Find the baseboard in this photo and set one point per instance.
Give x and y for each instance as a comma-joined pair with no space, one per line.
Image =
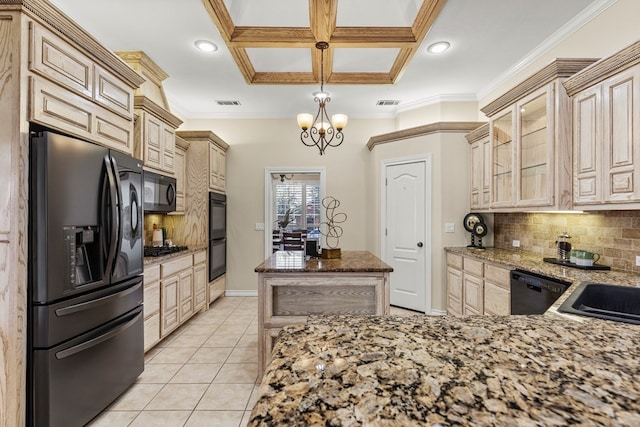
234,293
438,312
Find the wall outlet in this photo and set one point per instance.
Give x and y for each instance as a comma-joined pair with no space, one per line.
259,226
449,227
516,243
638,260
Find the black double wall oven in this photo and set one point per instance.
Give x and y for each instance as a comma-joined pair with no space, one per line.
85,321
217,235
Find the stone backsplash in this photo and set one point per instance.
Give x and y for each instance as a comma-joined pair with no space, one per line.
615,235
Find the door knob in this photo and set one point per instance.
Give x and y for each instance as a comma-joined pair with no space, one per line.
420,244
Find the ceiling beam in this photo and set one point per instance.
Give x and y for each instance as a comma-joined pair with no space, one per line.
322,18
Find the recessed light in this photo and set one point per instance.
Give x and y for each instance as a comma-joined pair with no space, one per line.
206,46
438,47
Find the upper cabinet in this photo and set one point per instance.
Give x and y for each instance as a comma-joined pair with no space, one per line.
480,168
155,140
209,157
71,91
530,142
606,132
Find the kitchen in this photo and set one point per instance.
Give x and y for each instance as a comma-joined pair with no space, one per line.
248,157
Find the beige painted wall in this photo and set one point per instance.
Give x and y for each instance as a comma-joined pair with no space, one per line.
257,144
449,202
612,30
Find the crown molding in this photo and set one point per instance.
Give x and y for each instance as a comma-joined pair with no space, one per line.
438,127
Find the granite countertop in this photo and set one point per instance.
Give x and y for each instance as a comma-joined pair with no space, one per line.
152,260
349,262
473,370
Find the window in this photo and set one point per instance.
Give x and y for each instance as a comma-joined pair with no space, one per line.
299,195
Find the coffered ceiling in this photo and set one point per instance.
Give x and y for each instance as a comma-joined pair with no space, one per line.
267,67
395,42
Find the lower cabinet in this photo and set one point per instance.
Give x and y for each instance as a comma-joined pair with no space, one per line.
217,288
151,306
173,292
476,287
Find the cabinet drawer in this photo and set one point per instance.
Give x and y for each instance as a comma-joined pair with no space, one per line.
454,261
152,274
171,267
473,266
497,275
58,61
151,299
199,257
151,331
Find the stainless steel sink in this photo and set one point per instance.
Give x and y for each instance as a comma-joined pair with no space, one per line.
610,302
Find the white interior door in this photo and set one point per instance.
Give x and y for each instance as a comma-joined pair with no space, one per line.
406,234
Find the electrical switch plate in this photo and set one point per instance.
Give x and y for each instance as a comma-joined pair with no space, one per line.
449,227
638,260
516,243
259,225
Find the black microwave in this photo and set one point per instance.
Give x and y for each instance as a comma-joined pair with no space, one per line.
159,193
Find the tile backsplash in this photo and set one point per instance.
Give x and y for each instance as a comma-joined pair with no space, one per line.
615,235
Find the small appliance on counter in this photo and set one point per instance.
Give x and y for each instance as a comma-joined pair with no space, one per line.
564,247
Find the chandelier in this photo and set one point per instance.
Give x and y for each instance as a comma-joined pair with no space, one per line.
320,131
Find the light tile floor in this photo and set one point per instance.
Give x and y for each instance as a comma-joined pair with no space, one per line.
203,374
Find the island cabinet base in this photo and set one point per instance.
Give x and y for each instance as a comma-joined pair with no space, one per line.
288,298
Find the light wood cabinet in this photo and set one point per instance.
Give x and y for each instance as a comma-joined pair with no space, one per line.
216,288
151,306
475,287
70,92
182,284
472,286
288,298
480,168
606,132
530,140
155,125
199,280
217,168
497,290
180,174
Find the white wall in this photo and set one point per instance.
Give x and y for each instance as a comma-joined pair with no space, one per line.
256,144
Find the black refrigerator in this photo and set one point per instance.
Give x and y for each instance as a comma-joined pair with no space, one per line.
84,320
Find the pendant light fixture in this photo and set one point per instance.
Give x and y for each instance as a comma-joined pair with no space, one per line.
320,131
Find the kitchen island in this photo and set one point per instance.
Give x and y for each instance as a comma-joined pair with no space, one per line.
470,370
291,287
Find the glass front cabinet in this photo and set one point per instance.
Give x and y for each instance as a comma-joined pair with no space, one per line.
530,142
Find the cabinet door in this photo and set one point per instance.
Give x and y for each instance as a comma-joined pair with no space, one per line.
454,291
477,166
502,150
497,300
199,286
222,169
535,149
185,294
180,166
169,309
473,294
152,141
486,173
213,167
168,149
621,101
587,146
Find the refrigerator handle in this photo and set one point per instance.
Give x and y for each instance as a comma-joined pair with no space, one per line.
117,211
112,215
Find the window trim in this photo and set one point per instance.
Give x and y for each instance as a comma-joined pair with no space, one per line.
268,199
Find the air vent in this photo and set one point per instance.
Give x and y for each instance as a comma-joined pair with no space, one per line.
385,102
227,102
